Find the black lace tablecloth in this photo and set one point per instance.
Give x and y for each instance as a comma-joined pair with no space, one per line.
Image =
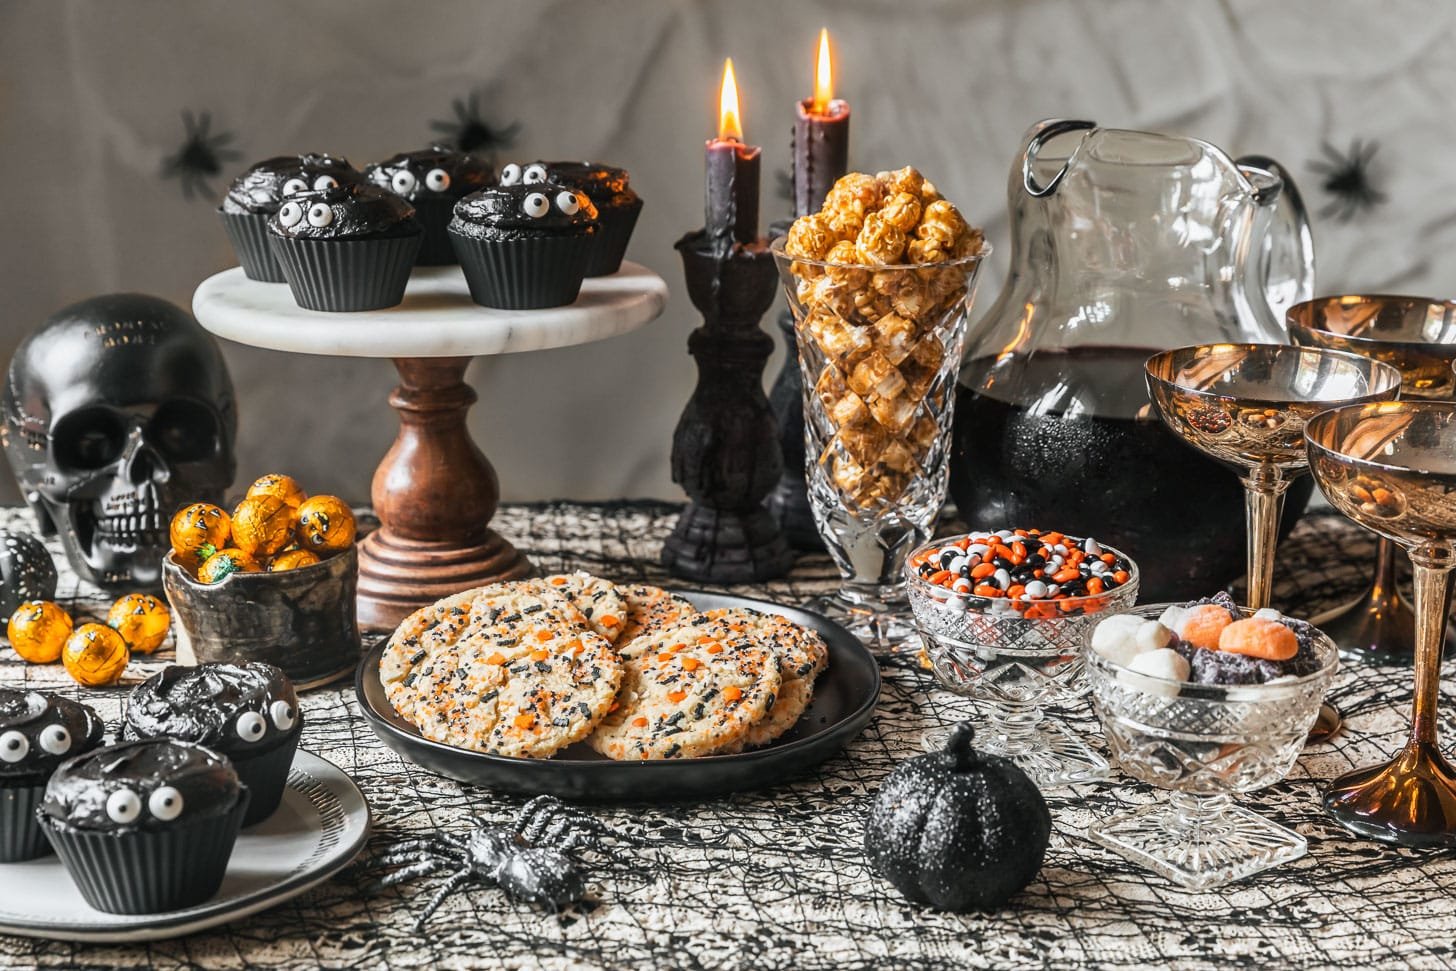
776,879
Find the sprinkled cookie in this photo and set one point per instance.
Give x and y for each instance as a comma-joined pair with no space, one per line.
801,654
418,636
600,601
687,691
792,701
516,680
650,609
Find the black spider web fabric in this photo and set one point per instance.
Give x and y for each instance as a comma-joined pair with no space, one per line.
776,879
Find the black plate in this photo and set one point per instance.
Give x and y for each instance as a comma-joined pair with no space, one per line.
844,698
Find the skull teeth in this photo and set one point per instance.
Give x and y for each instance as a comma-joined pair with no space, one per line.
132,527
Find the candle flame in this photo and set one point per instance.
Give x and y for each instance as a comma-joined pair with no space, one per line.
823,76
730,126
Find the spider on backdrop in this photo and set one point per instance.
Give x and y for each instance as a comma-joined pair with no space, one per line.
201,156
1347,178
470,132
533,861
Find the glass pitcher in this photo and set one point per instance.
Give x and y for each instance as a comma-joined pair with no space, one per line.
1124,243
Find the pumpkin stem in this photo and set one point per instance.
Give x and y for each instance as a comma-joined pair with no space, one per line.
958,746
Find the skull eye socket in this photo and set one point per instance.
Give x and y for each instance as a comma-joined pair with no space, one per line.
89,439
184,431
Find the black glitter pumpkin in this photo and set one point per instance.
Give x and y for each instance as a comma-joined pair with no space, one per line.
27,571
958,830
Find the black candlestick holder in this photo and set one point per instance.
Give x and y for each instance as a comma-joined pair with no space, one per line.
789,500
725,451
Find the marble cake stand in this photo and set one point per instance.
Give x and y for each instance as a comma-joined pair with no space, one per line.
434,492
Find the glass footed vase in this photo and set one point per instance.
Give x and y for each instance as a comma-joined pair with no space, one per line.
1204,744
879,348
1020,660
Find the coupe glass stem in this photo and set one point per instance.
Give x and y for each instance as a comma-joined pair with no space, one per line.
1433,602
1264,489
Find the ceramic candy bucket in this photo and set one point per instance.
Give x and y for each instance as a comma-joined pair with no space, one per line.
300,620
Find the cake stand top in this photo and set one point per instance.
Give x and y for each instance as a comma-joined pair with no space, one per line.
436,319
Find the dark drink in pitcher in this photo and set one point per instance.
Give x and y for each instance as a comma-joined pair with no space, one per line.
1064,439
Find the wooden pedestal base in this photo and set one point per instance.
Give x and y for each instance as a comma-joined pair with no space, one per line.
435,493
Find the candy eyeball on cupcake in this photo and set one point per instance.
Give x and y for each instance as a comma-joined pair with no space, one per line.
434,172
39,731
537,207
268,184
343,212
233,708
148,784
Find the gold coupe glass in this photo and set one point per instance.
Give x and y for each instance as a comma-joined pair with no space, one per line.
1246,405
1417,337
1391,467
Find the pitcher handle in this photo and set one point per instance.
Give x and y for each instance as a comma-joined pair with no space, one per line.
1041,133
1284,267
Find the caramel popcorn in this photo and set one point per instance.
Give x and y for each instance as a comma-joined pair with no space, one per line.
877,316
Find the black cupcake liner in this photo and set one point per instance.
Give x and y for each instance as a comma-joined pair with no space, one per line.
435,215
614,233
266,775
248,232
21,837
341,275
528,273
148,871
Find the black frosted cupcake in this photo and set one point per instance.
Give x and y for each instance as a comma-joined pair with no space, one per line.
145,827
523,247
350,247
432,180
37,733
609,190
256,195
248,712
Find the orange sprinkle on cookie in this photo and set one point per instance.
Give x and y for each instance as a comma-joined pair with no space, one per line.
732,692
676,697
1261,638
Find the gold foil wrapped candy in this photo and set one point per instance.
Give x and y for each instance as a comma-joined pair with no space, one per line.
95,655
38,630
142,620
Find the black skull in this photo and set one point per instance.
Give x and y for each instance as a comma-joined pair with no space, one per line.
118,410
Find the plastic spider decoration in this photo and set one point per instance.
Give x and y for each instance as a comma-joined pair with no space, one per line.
469,132
201,156
531,862
1347,178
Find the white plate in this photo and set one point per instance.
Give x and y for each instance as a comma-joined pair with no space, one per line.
319,828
